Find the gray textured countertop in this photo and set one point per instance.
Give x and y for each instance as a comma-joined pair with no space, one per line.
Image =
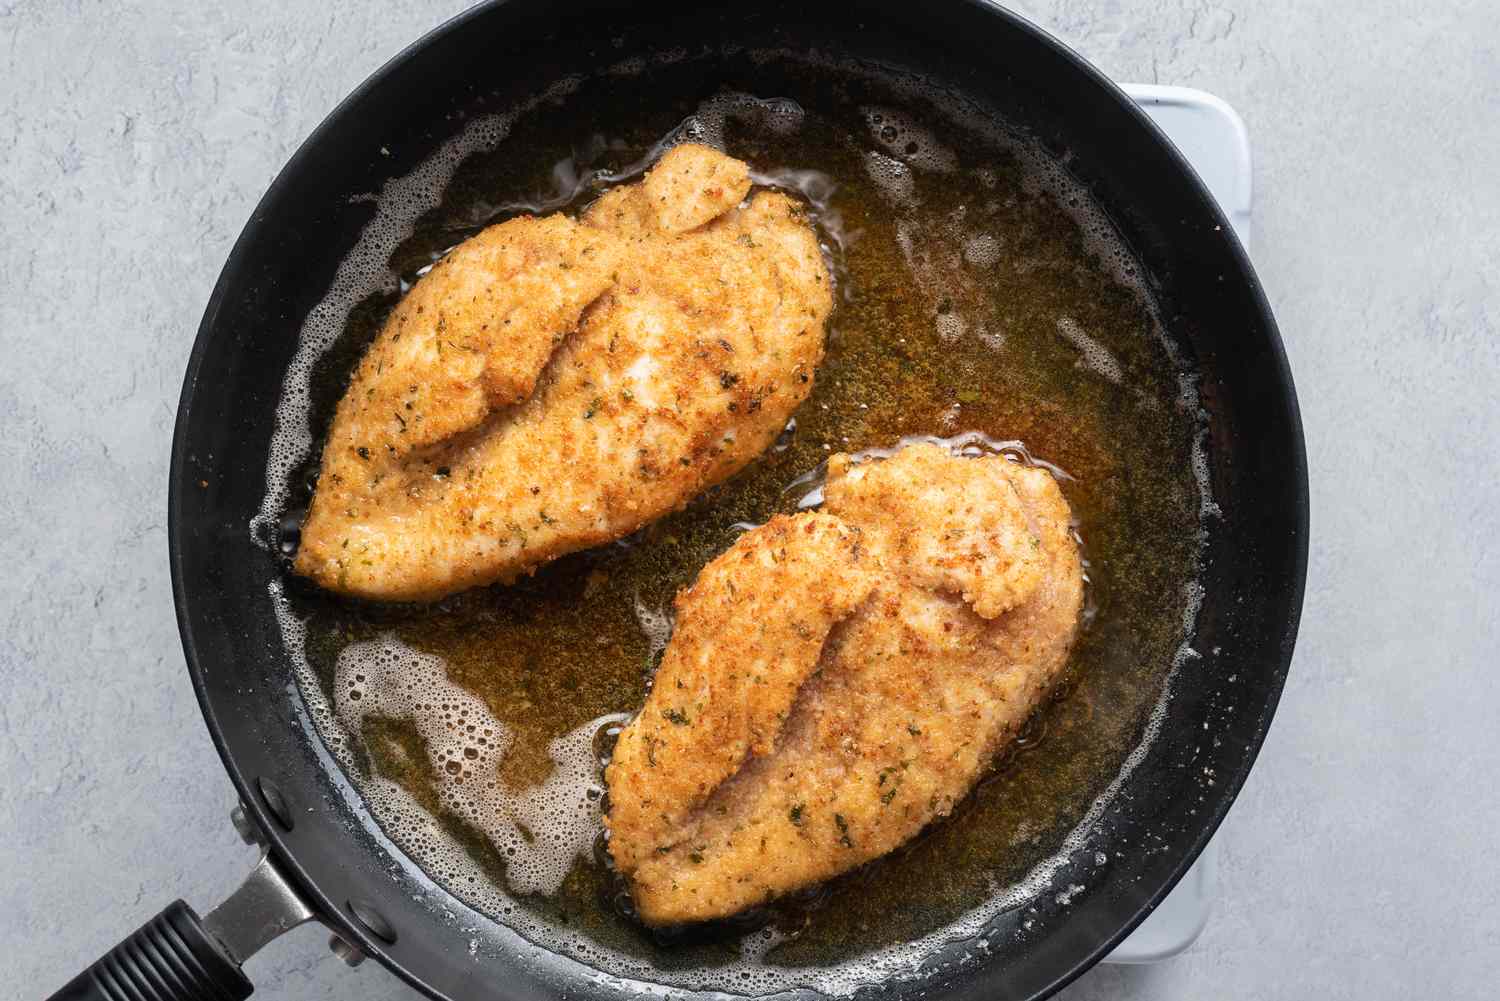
1359,861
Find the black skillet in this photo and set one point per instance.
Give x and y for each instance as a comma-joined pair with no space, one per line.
325,860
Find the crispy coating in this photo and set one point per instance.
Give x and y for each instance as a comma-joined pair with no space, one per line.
975,541
692,185
913,694
643,362
781,590
473,335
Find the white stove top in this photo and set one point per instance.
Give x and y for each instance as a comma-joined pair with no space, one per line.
1213,138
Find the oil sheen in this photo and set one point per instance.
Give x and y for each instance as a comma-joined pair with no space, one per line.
981,298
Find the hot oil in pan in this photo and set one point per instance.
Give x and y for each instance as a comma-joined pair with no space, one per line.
977,292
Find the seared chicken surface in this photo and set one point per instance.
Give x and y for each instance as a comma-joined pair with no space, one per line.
838,680
552,385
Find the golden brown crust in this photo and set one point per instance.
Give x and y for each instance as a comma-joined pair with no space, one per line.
693,184
690,351
912,696
976,541
473,334
770,601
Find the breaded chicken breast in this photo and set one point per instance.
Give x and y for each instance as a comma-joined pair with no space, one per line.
839,680
552,385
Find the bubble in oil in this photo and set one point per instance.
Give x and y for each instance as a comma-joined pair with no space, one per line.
603,743
904,139
1092,354
289,530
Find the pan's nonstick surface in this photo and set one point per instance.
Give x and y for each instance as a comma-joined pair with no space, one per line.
298,246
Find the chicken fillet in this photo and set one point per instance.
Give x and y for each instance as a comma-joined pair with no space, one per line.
552,385
839,680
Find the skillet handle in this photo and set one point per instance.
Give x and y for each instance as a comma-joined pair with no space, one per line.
172,957
178,956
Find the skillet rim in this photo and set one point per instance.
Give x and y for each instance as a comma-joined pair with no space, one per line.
1295,465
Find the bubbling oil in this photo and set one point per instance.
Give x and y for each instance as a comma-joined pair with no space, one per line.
983,300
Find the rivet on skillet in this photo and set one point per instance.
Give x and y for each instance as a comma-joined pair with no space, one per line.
350,954
372,920
244,826
275,802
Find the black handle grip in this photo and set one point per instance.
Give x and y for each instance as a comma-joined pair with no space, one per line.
169,958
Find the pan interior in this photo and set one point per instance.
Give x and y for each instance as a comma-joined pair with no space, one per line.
983,297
